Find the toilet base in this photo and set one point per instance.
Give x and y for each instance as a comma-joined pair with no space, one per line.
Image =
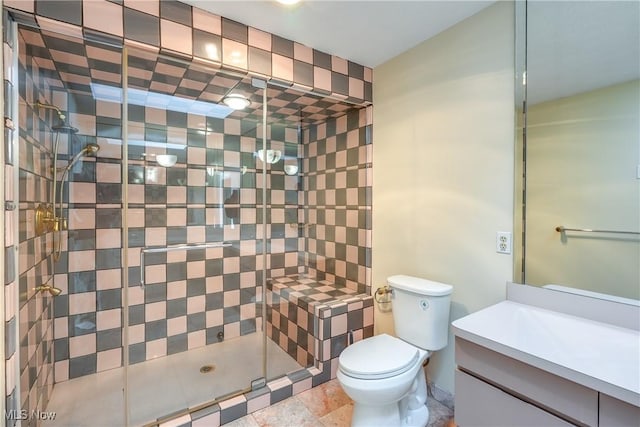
378,415
410,411
413,407
416,417
388,416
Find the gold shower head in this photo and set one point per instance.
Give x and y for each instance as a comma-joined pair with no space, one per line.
51,289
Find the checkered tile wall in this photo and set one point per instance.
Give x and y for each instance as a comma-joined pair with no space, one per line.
187,32
29,315
192,297
337,184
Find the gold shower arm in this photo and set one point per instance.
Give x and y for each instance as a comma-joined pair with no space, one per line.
48,288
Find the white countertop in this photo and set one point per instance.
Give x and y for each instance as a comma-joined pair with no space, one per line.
597,355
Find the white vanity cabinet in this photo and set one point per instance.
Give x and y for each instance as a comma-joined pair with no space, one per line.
526,362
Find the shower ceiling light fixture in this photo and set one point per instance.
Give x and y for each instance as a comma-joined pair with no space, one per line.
236,101
288,2
269,156
166,160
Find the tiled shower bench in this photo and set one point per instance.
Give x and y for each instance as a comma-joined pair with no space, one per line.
313,321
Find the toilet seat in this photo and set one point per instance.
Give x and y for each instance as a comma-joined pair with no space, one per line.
378,357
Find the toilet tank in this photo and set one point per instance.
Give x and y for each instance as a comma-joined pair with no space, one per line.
421,311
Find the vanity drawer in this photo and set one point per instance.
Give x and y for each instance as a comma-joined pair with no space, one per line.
616,413
480,404
557,395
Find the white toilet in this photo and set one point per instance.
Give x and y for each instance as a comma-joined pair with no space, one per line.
382,374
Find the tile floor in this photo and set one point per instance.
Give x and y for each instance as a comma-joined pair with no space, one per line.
324,406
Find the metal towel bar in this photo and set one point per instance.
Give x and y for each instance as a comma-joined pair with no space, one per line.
562,229
300,226
173,248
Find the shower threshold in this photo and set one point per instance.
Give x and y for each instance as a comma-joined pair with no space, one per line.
166,385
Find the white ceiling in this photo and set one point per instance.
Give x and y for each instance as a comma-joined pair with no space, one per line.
573,46
366,32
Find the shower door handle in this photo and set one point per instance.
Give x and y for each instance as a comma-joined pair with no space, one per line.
173,248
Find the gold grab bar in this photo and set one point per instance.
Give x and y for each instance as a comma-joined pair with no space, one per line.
173,248
562,229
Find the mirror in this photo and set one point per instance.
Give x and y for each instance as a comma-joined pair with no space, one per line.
579,139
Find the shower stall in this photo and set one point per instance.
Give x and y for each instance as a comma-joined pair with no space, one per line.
186,235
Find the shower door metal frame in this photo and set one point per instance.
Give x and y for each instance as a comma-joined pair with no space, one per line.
12,29
2,238
125,231
264,235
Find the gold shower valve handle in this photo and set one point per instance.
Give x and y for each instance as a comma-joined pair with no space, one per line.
45,219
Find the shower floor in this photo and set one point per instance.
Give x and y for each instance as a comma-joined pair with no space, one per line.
166,385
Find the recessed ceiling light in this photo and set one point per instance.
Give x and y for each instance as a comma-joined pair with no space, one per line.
236,101
288,2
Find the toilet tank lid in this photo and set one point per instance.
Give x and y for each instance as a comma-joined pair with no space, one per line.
419,286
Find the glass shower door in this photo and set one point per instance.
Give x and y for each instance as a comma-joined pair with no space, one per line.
69,307
289,345
194,249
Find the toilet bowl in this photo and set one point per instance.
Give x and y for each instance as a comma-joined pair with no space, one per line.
391,373
383,375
